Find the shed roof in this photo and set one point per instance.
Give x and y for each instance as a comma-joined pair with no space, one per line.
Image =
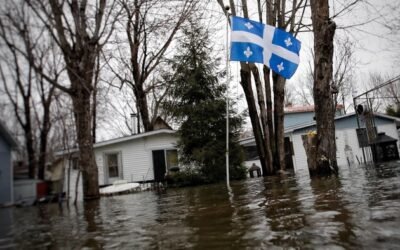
305,108
290,129
310,124
122,139
7,136
382,138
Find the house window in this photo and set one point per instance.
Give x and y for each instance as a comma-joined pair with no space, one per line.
75,163
112,163
172,158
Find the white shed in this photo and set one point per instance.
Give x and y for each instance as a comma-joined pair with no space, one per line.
347,143
136,158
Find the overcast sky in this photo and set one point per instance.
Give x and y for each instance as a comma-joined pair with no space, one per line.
376,48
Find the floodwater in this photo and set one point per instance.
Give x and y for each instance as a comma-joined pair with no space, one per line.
360,209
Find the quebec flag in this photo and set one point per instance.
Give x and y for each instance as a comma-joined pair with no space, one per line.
256,42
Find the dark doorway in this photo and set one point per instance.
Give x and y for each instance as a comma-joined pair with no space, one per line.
288,153
384,148
159,165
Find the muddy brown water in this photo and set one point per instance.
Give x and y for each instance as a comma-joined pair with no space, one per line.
360,209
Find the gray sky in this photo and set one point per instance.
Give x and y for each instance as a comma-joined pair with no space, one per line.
376,48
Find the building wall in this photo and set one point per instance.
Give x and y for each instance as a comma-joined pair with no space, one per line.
25,191
136,161
136,157
6,174
71,178
345,135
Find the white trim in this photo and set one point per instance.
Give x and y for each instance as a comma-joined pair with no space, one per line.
119,140
106,170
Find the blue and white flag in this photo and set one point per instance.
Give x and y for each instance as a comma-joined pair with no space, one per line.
255,42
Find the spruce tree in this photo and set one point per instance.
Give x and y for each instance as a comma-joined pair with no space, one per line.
198,103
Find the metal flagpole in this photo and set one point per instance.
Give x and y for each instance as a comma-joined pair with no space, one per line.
227,96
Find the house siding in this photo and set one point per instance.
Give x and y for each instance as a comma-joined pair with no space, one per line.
291,119
136,157
72,178
299,153
136,160
346,135
6,184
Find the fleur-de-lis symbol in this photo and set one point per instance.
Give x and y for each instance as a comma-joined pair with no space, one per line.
248,52
248,25
288,42
280,67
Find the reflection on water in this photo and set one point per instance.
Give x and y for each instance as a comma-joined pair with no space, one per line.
360,209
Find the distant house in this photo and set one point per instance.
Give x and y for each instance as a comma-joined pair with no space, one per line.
301,114
349,149
136,158
7,143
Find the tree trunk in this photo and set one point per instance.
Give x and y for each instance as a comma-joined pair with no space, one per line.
263,112
268,98
43,140
324,31
30,148
255,121
81,103
279,98
31,153
141,99
94,114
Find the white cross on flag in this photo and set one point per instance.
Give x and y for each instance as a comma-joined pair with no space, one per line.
255,42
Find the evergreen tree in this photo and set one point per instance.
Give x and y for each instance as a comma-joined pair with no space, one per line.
198,103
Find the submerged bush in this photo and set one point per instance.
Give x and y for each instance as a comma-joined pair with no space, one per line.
184,178
193,177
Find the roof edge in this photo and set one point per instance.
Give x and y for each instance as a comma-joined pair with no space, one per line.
120,140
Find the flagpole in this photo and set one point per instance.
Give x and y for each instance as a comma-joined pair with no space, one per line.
227,96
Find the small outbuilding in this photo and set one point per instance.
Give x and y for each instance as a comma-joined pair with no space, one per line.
7,144
351,147
145,157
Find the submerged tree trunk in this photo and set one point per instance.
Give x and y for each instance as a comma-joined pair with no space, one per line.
83,115
279,99
43,141
245,77
270,121
263,113
324,31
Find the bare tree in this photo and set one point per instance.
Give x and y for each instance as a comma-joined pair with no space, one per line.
80,30
149,36
268,123
384,97
323,161
20,36
344,65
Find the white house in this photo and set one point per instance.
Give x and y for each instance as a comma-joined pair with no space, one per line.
136,158
347,141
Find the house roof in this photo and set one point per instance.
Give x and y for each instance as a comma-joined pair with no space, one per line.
306,108
123,139
382,138
133,137
309,124
312,123
7,136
